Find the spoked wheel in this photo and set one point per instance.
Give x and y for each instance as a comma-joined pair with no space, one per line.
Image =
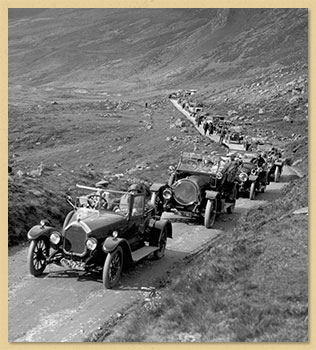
113,267
252,191
210,213
277,174
158,254
37,255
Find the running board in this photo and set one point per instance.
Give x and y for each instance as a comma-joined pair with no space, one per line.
143,252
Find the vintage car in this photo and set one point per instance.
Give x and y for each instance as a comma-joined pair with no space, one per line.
275,162
252,176
236,134
200,187
106,231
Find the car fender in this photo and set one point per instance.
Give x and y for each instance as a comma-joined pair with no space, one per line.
156,187
211,194
38,231
253,178
161,225
111,243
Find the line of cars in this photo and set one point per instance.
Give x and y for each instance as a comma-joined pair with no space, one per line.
108,231
203,186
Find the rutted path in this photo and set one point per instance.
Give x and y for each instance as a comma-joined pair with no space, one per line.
214,137
67,306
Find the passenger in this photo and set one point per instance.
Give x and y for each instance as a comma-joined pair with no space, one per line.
138,203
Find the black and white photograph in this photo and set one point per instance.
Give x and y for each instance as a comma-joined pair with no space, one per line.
158,175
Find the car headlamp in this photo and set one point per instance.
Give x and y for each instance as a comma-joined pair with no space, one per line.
219,175
91,243
243,177
54,237
167,193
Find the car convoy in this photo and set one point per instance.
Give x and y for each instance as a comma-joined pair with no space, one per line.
108,230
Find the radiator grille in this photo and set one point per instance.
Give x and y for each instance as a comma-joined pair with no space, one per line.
75,239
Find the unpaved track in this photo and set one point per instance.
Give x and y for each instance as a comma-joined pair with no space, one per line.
66,306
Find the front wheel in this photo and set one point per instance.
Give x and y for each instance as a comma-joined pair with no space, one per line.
210,213
252,191
158,254
112,267
37,256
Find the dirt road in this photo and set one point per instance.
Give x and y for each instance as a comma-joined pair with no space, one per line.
66,306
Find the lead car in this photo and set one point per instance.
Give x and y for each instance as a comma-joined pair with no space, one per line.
106,229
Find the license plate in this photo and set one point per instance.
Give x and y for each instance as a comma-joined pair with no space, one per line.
71,264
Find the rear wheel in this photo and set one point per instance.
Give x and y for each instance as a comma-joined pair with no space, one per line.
158,254
277,174
252,191
112,267
210,213
37,255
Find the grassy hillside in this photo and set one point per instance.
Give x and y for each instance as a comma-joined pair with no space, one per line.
78,83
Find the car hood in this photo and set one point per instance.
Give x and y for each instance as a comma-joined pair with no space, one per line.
100,223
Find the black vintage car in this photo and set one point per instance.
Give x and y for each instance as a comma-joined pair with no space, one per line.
200,187
275,162
252,175
106,230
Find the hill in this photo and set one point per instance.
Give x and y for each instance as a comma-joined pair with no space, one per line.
78,83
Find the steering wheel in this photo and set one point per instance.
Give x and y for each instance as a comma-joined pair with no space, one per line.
97,201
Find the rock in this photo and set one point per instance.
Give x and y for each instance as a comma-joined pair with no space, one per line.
301,211
286,118
294,100
261,111
168,139
19,173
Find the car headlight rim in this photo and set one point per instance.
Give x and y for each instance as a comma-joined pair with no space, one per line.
167,193
55,237
219,175
243,177
91,243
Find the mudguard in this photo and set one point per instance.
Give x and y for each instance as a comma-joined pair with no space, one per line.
160,225
211,194
37,231
156,187
111,243
253,178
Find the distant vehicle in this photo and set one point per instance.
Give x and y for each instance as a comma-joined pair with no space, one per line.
236,134
106,230
200,187
275,162
252,176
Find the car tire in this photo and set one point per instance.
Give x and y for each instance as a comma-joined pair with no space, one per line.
37,254
210,213
231,208
277,174
112,269
158,254
252,191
